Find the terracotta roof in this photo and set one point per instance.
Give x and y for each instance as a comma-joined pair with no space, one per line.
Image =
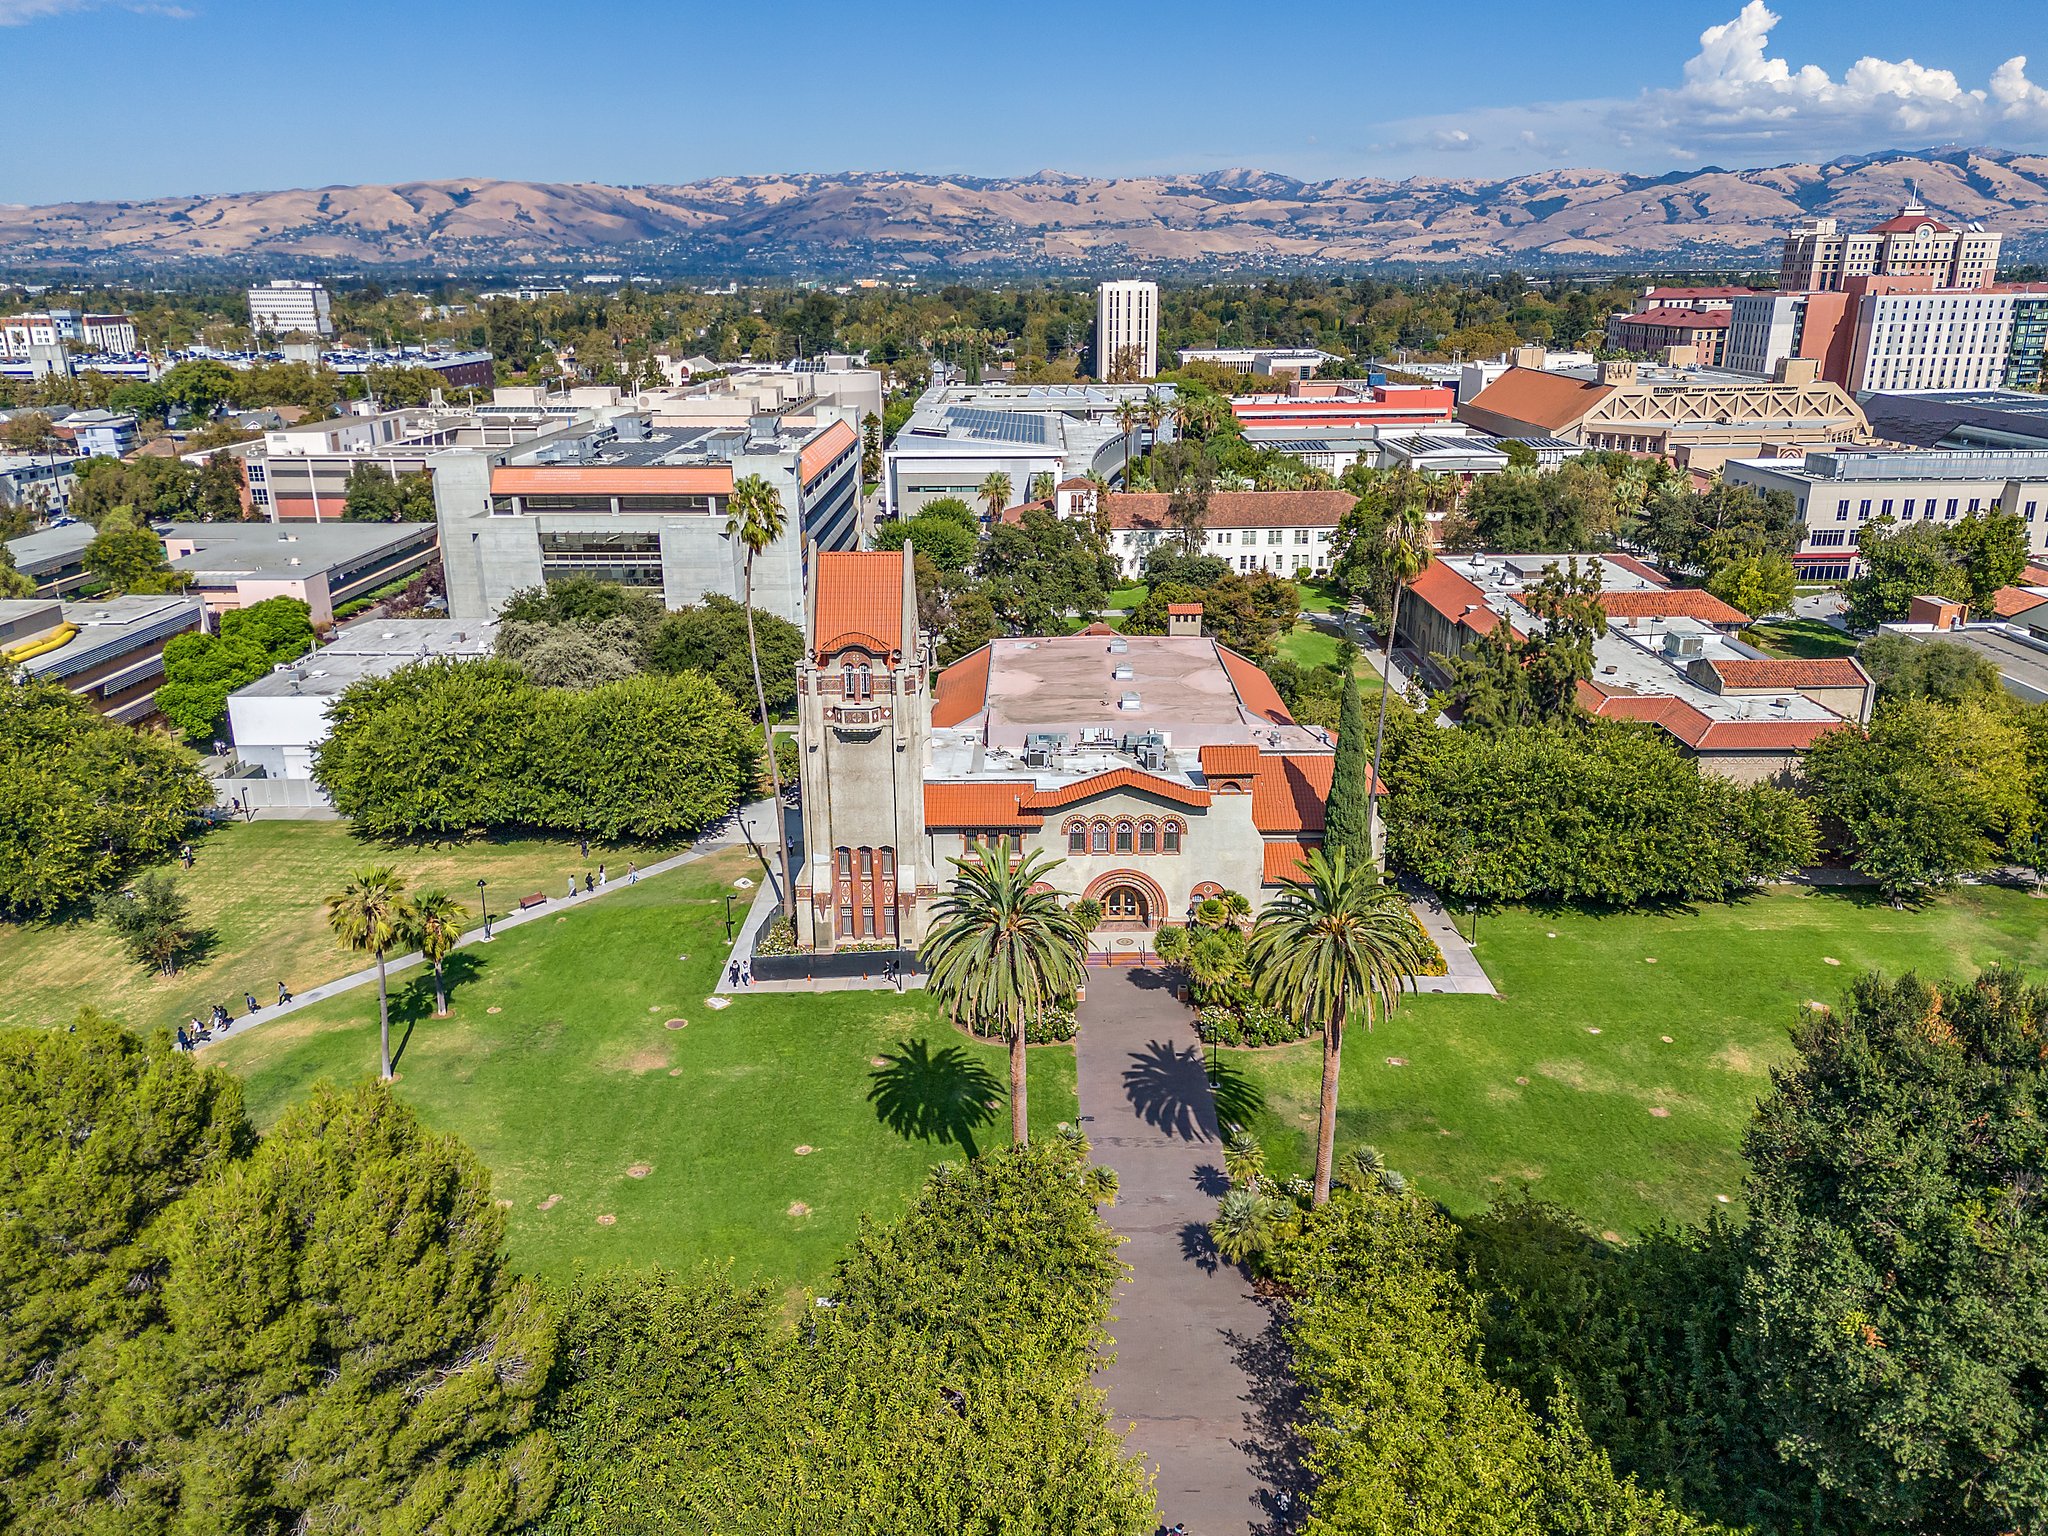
1699,293
860,601
1235,509
821,451
1773,672
1289,793
1075,483
1701,731
1640,568
1906,223
2034,576
1284,862
2010,602
1453,596
1234,761
1551,401
620,480
980,803
1679,318
1255,690
1672,603
1097,628
1194,608
1116,778
961,690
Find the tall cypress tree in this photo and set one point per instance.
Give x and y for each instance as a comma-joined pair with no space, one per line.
1347,820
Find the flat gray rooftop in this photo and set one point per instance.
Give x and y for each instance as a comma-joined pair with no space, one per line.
287,550
374,650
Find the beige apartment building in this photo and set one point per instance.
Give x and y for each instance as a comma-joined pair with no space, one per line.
1818,255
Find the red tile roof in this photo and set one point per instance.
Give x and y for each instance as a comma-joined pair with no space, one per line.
618,480
980,804
1255,690
1773,672
1097,628
820,452
1906,223
860,601
1235,509
1551,401
1116,778
2011,602
1671,603
1456,598
1647,572
1701,731
1193,608
1230,761
1679,318
2034,576
1289,793
961,691
1285,862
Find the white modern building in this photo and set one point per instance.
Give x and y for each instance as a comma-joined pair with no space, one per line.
1283,533
1842,491
1279,362
1947,339
99,434
1127,330
20,334
277,722
282,306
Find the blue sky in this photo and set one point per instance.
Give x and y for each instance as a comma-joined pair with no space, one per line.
136,100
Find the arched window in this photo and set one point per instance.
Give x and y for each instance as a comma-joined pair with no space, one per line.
1172,836
1101,838
1123,837
1148,837
867,681
1077,837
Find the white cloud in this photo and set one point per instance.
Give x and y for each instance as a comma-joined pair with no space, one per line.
1734,103
19,13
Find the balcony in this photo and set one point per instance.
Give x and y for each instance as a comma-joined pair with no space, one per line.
863,718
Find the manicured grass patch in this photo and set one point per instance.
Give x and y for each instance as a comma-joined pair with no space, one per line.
576,1080
1127,598
261,887
1319,597
1498,1093
1801,638
1307,646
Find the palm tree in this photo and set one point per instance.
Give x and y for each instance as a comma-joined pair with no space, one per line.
1127,414
1003,948
437,926
1404,555
370,914
1154,412
995,494
755,517
1327,946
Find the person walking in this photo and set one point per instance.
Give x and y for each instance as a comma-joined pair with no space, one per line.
732,974
583,847
632,873
185,854
184,1040
589,884
746,973
198,1029
600,872
283,996
250,999
572,886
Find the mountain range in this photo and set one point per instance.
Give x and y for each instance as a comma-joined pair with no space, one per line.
884,223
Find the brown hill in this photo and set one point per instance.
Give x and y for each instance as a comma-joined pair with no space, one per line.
886,220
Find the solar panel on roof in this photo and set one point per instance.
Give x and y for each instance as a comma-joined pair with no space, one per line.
998,426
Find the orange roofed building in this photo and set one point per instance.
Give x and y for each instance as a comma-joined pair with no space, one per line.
1158,769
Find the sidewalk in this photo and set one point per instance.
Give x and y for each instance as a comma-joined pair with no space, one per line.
1465,973
731,832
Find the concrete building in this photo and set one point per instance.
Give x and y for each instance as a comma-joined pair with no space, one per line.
1274,362
99,434
1126,330
1842,491
1655,298
109,652
41,482
54,558
1670,657
324,566
1880,332
1159,769
457,368
281,307
1703,330
646,506
962,433
1697,418
1913,243
1286,533
22,335
278,721
2016,642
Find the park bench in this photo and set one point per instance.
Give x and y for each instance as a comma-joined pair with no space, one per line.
536,899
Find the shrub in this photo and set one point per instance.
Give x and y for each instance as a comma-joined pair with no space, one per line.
1251,1025
779,938
1049,1028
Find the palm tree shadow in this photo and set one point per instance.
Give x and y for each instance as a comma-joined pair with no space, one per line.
1239,1099
1170,1091
942,1095
413,1003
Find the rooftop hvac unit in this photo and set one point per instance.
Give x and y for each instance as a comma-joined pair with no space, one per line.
1124,672
1685,645
1038,757
1119,645
1129,701
1152,758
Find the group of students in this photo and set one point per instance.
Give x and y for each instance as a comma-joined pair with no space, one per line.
218,1019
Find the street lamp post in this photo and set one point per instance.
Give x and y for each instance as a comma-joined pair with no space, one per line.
486,909
728,917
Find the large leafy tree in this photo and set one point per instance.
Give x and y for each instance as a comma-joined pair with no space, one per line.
341,1299
1705,530
755,517
1038,570
1928,792
1900,1269
370,915
126,557
711,638
1001,951
1509,680
200,671
942,540
153,919
1331,946
376,495
102,1132
1992,549
82,798
1896,565
1755,584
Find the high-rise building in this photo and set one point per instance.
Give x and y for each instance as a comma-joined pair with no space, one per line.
1127,330
282,306
1914,243
1899,332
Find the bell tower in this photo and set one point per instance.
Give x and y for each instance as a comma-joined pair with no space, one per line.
864,732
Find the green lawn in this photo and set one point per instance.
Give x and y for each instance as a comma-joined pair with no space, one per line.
753,1125
1802,638
1499,1093
1320,597
259,888
1127,598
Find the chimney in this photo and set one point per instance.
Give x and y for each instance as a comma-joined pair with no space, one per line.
1528,357
1184,619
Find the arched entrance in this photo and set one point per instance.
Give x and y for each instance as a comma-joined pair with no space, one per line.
1131,902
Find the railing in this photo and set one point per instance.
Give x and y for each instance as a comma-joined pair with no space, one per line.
859,716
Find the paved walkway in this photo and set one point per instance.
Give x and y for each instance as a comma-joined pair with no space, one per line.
1197,1371
1463,972
732,832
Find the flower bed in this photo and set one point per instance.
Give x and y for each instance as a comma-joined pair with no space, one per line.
1050,1028
1253,1025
